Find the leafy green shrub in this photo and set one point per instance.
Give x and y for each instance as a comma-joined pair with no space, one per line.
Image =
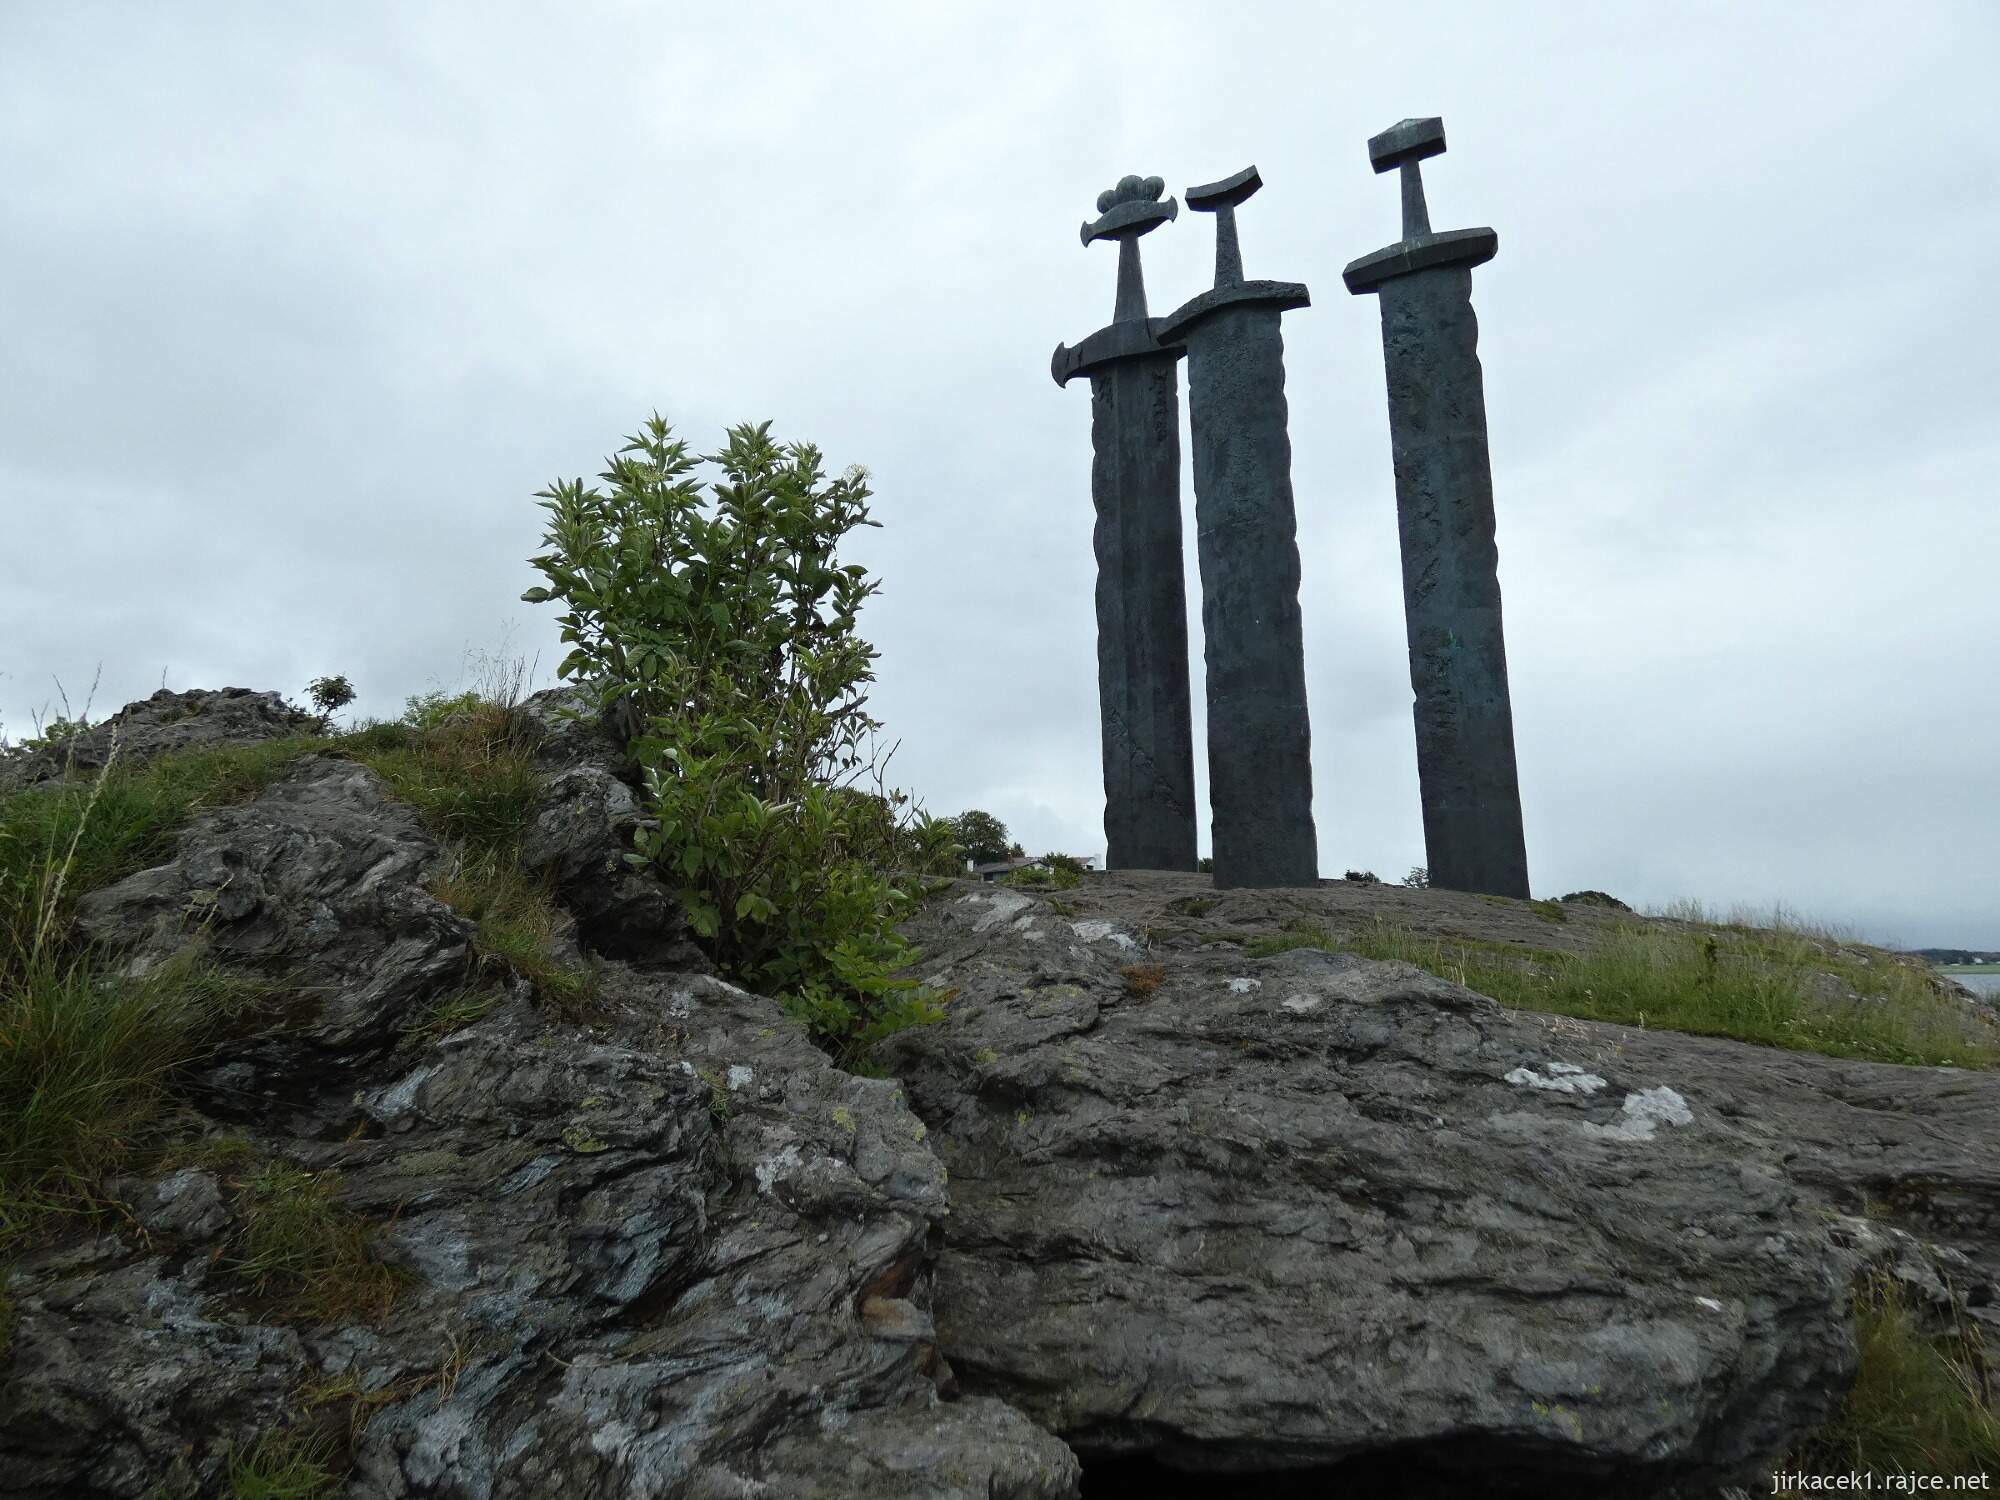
1042,878
1362,877
930,846
722,629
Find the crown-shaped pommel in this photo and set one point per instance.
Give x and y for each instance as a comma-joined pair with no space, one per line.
1131,209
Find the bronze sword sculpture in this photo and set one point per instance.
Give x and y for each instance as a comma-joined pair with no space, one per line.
1444,508
1259,736
1142,654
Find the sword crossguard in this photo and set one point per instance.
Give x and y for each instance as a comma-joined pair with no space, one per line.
1404,145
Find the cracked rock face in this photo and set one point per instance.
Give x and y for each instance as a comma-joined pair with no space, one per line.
1310,1218
673,1253
1277,1214
316,887
580,832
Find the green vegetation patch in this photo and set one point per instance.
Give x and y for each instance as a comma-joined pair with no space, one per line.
1782,988
467,765
1919,1404
717,618
283,1466
86,1062
519,923
60,841
299,1244
459,1009
88,1055
1042,878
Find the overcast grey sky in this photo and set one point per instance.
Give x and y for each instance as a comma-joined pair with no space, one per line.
299,305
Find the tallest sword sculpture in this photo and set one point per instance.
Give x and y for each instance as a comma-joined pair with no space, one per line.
1135,482
1444,508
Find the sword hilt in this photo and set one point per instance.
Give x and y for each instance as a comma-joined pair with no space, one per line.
1125,212
1405,144
1220,199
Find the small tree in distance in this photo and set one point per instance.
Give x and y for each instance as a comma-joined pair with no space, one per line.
329,696
984,836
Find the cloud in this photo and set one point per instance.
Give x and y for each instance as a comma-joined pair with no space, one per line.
298,313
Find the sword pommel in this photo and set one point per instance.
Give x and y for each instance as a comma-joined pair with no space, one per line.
1211,197
1131,209
1220,199
1406,140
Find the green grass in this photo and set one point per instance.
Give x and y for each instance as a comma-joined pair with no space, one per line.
459,1009
86,1064
519,922
470,774
1918,1405
298,1244
58,842
1756,985
468,766
282,1466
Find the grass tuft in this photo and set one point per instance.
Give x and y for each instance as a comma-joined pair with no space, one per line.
519,925
299,1244
456,1011
1142,979
1920,1402
283,1466
86,1062
88,1054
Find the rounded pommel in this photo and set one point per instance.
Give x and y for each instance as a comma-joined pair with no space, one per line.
1230,191
1406,141
1131,209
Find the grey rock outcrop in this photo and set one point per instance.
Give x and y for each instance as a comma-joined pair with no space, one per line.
316,889
155,726
1289,1214
674,1252
580,832
1141,1200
